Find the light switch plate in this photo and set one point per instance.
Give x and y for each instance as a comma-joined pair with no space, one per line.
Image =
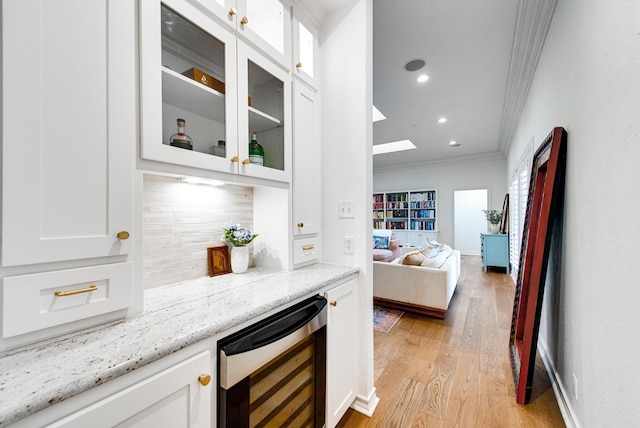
345,209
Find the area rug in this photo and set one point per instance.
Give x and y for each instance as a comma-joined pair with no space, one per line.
384,318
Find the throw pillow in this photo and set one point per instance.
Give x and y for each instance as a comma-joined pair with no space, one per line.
414,258
380,242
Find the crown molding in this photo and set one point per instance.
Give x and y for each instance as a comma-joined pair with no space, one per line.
532,25
484,157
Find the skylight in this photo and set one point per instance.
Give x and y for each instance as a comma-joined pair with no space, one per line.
395,146
377,115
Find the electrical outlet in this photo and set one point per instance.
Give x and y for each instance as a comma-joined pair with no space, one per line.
574,381
348,245
345,209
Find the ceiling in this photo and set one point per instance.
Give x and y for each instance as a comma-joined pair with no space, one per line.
480,57
467,47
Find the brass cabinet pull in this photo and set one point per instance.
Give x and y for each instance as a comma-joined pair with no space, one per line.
246,162
204,379
308,248
232,11
333,303
300,224
72,292
244,20
123,235
299,65
234,159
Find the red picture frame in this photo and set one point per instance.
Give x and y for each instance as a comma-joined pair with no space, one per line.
546,190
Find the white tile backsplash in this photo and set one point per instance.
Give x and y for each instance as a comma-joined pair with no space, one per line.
180,220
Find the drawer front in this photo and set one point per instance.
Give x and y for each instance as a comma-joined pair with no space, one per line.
38,301
306,250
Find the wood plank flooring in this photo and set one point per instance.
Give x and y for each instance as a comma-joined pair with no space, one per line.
456,372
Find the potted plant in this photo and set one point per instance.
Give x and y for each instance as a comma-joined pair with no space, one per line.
494,217
238,238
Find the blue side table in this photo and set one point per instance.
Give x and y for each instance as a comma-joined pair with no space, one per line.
495,250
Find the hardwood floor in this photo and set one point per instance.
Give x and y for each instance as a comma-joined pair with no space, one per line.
456,372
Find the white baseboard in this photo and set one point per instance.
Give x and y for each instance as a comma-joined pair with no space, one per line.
366,405
559,390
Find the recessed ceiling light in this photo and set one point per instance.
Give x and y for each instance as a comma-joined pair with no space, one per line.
414,65
422,78
442,120
395,146
377,115
453,143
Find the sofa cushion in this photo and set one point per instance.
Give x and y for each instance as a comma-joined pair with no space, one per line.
414,258
380,242
437,261
382,255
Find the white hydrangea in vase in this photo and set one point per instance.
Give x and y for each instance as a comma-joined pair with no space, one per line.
238,238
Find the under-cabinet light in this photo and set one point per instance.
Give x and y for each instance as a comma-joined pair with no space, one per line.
197,180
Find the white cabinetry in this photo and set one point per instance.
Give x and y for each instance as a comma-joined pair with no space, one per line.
242,92
306,175
305,49
69,130
175,391
341,340
68,148
264,23
179,396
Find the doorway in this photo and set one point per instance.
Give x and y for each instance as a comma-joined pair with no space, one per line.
469,220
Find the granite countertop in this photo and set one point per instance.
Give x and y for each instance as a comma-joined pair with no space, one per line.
174,316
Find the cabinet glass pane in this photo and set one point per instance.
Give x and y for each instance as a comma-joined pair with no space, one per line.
306,49
193,76
266,114
266,19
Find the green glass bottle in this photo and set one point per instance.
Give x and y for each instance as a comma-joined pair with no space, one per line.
256,152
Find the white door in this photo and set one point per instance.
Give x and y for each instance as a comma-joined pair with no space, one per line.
469,220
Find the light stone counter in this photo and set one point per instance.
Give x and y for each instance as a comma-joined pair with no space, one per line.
174,317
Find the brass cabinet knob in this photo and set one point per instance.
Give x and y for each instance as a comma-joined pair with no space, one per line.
300,224
244,20
333,303
232,11
123,235
204,379
234,159
246,162
299,65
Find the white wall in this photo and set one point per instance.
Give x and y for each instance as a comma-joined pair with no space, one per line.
446,177
588,81
346,49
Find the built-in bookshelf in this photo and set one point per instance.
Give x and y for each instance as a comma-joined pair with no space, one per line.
409,210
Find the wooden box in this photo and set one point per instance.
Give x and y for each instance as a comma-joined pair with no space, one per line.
204,78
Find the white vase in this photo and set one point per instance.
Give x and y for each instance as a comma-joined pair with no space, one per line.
494,228
239,259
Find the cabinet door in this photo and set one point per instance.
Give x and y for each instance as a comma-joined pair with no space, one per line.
172,398
305,49
306,164
69,130
269,115
267,25
188,72
341,329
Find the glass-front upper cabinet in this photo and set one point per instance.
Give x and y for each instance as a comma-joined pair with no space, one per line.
188,85
264,23
305,49
264,116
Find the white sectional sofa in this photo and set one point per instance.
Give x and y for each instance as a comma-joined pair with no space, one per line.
421,289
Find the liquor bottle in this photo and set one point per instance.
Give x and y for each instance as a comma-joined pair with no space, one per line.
180,139
256,152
